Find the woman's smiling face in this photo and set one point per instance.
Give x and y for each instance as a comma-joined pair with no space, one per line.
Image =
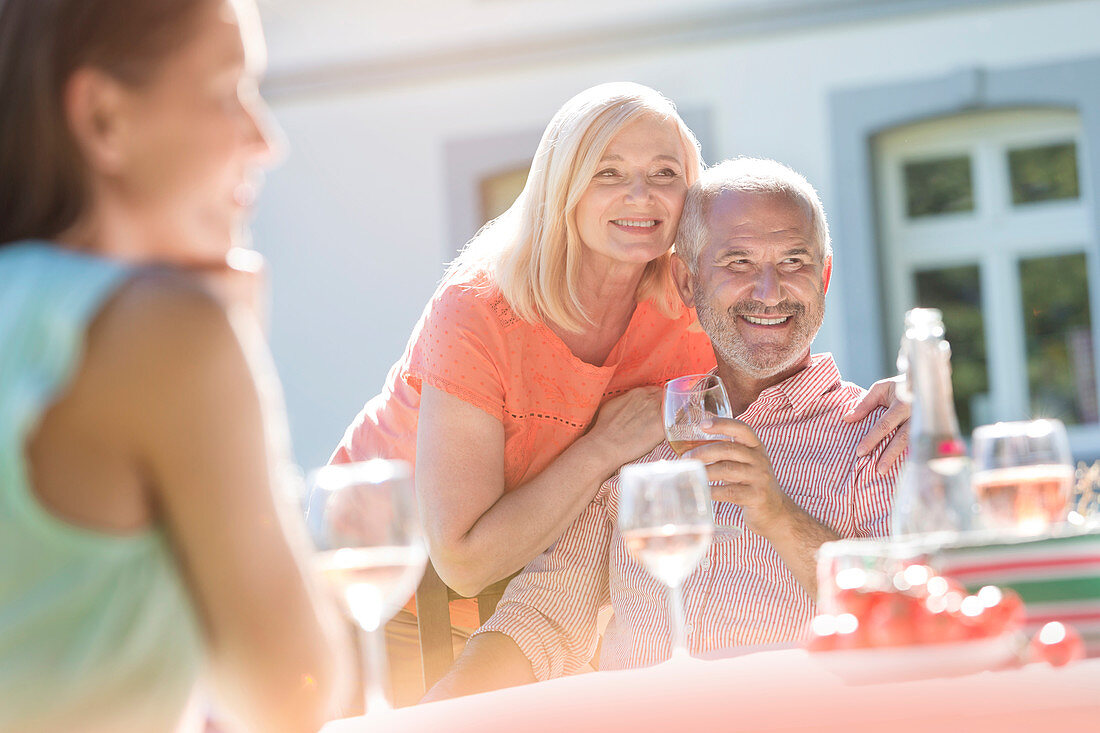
630,210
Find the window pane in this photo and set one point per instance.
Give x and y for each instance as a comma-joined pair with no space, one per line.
957,292
1060,369
938,186
500,190
1043,174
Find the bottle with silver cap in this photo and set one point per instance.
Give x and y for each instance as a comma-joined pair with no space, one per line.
933,492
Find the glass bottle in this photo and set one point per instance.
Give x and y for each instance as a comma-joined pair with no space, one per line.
933,492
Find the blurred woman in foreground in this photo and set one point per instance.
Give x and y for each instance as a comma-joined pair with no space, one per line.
141,438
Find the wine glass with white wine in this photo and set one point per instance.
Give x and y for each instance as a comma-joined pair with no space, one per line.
1023,473
363,522
666,521
688,402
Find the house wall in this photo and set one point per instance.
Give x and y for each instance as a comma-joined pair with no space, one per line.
386,140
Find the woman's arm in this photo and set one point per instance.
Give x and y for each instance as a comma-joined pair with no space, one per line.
477,533
198,402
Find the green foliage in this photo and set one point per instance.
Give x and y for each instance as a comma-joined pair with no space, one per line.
938,186
1044,173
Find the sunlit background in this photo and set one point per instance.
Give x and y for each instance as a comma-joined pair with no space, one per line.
956,145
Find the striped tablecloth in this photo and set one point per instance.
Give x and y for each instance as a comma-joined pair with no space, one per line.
1057,577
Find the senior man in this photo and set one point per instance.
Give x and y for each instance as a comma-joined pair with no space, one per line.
754,260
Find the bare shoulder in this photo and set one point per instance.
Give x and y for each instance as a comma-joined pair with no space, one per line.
162,337
154,358
158,309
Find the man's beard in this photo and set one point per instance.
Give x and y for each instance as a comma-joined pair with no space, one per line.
760,360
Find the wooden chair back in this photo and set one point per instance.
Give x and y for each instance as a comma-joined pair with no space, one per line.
433,618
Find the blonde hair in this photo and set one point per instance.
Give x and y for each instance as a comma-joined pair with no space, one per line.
745,175
532,252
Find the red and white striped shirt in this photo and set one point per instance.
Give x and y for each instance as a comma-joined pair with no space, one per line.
741,593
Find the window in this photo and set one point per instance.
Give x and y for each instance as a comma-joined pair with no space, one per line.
499,190
957,291
938,186
1043,173
982,216
1058,337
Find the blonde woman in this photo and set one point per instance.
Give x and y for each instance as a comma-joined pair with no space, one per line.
535,371
560,306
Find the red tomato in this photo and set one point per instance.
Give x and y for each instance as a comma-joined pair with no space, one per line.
851,632
974,618
892,621
856,601
935,624
872,600
1057,644
949,600
938,585
914,580
1004,609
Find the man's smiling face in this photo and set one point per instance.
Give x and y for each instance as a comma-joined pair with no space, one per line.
760,281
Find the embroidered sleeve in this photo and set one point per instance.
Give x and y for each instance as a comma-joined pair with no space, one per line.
459,346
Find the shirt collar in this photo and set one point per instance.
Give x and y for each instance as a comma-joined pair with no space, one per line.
802,390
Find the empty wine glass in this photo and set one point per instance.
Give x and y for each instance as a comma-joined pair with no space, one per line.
689,400
666,521
1023,472
363,522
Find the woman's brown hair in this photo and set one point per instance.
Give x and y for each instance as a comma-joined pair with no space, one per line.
42,42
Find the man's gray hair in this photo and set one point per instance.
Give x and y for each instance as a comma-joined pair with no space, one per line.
746,175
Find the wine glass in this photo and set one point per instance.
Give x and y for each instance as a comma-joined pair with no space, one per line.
363,522
666,521
689,400
1023,473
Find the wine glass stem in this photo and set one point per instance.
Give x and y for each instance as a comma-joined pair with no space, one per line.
676,621
375,668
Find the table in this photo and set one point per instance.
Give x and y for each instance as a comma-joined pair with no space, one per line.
787,690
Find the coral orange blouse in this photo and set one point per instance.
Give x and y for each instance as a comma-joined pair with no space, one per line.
471,344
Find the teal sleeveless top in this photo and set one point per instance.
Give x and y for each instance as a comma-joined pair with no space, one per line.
97,631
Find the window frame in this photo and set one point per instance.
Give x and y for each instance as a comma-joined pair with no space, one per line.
996,235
